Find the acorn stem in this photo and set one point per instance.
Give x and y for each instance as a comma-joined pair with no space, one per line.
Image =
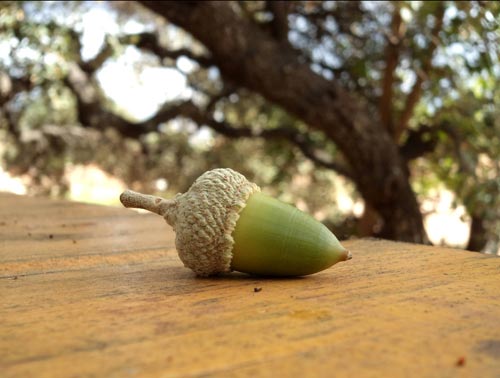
154,204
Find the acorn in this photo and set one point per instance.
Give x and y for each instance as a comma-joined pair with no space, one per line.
224,223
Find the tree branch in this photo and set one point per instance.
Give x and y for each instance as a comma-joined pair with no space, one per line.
225,92
281,133
91,114
149,42
419,142
457,140
422,75
425,138
391,62
10,86
253,59
291,135
91,66
478,234
279,24
145,41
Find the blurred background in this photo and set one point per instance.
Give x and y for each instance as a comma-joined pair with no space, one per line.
99,96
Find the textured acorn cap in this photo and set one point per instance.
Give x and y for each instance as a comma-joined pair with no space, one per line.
203,218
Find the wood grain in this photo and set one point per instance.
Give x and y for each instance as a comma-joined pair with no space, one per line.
92,291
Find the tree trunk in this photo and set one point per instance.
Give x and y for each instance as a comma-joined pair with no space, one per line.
248,56
370,222
477,238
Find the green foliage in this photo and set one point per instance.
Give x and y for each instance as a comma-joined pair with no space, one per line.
343,41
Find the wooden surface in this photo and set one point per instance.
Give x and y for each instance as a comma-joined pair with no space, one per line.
89,291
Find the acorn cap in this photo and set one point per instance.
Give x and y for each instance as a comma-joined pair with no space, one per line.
203,218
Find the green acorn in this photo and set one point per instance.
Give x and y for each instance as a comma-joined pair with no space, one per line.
224,223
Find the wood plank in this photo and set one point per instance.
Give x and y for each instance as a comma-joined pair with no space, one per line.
107,296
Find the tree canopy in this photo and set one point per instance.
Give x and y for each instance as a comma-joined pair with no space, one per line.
393,99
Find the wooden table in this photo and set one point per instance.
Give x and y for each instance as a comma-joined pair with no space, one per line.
91,291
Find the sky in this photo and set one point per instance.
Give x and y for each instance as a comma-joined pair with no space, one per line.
141,92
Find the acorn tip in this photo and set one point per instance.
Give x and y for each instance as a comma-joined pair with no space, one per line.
346,255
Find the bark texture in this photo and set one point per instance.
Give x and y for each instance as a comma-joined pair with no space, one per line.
477,238
252,58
